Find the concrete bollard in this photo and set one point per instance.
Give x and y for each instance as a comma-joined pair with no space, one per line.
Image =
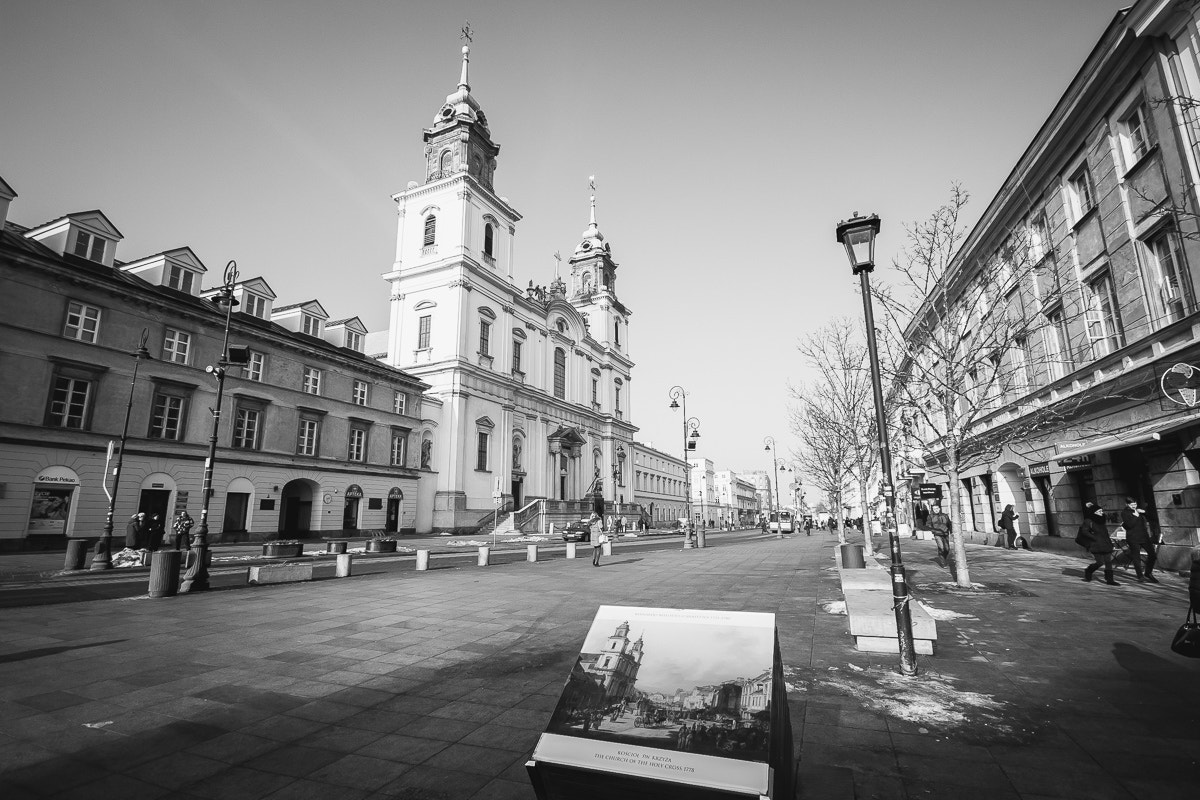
606,547
570,550
484,552
531,553
422,560
345,564
76,554
164,573
852,556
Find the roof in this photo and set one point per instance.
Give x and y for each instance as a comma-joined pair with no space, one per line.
76,216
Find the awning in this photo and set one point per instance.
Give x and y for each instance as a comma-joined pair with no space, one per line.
1148,432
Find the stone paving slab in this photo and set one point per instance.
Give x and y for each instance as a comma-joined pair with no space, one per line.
435,685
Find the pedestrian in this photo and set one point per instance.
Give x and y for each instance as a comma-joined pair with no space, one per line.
1008,524
135,531
183,530
939,524
621,524
1095,531
156,531
1140,537
596,534
808,526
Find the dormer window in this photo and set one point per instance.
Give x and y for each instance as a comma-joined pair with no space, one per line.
89,246
430,231
180,278
310,325
254,305
354,341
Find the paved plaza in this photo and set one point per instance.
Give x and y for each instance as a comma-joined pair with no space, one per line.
436,684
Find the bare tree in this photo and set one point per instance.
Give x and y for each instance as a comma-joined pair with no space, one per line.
955,337
841,398
824,454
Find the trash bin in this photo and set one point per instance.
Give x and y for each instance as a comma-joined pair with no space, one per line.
164,573
76,553
852,556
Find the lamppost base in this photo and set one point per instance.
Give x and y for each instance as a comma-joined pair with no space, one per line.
101,556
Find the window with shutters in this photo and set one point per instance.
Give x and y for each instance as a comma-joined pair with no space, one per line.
430,231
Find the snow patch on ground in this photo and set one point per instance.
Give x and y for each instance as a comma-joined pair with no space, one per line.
943,614
925,700
834,607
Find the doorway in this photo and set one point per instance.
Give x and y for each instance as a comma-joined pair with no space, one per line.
1134,480
155,501
350,514
517,482
392,523
237,504
297,501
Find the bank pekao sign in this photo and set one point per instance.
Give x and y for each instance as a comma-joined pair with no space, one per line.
57,476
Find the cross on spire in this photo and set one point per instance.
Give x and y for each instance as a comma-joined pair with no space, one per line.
467,33
557,262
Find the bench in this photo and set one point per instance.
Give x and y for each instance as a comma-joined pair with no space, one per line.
868,595
280,573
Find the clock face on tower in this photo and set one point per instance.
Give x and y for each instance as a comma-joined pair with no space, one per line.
586,246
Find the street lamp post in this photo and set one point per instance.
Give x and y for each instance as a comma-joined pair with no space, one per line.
691,432
857,235
196,577
769,444
102,555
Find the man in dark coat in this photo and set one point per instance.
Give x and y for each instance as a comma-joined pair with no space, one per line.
1100,544
155,533
1139,537
939,524
135,531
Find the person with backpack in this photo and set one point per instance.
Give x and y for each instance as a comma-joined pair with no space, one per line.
939,525
1093,536
1008,524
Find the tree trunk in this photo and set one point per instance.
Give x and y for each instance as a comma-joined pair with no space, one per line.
868,547
957,549
841,519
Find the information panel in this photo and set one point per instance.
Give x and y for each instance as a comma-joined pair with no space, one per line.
666,702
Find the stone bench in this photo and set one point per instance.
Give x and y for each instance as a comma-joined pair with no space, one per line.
868,595
280,573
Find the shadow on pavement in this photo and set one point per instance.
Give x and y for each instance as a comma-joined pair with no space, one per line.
25,655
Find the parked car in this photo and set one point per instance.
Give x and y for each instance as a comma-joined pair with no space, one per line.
577,532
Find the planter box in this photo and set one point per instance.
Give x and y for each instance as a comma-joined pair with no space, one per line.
381,546
282,550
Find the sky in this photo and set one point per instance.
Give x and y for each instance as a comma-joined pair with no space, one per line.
727,139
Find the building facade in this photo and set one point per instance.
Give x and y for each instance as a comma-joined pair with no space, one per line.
532,385
314,434
1101,203
738,496
659,485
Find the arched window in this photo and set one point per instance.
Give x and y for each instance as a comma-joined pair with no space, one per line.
430,230
489,235
447,162
560,373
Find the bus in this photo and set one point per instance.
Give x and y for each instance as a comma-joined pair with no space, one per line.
781,522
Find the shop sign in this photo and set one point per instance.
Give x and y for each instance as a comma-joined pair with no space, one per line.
354,492
928,491
1067,448
1042,468
394,493
62,476
1076,463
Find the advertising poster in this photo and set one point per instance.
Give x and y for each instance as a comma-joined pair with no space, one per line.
51,506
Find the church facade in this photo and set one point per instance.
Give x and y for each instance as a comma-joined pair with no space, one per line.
530,391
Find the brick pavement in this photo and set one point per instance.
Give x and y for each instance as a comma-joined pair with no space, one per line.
436,685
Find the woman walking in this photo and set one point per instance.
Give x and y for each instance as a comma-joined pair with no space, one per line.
596,534
1100,545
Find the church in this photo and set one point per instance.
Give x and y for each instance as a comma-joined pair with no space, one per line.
529,386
